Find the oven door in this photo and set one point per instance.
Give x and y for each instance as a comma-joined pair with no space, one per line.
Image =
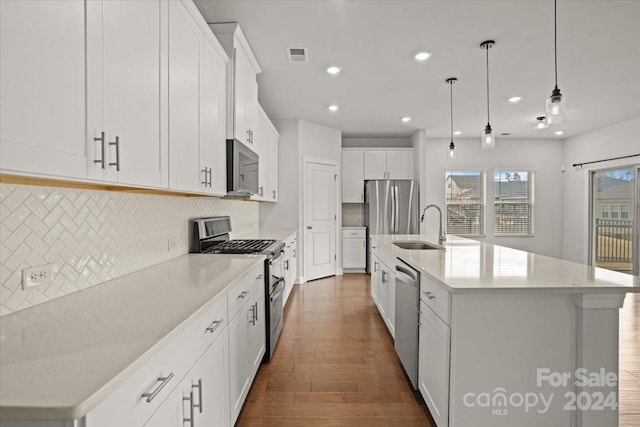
276,271
276,308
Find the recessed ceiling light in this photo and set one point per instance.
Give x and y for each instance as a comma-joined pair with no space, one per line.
333,107
406,119
515,99
505,133
559,132
422,56
333,70
458,132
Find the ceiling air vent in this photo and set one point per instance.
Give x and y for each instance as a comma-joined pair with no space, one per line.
298,54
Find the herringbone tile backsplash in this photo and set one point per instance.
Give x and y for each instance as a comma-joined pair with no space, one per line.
93,236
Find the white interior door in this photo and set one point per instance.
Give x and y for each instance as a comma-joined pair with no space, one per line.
320,220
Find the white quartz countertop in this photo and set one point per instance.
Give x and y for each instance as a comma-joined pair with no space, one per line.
467,265
60,359
270,234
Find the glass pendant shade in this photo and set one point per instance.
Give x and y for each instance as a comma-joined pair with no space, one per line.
541,123
556,108
488,139
452,148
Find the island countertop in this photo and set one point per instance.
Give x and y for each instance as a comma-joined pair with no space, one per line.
61,358
466,265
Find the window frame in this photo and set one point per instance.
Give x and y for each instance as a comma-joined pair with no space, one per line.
482,203
531,187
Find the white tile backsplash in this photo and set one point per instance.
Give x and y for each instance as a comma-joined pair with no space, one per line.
352,214
90,236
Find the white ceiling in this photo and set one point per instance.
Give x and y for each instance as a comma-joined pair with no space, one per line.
374,42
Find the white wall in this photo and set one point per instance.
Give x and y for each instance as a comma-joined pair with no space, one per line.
92,236
300,139
419,144
621,139
542,156
376,142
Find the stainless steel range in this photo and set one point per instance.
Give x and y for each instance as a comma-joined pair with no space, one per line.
211,236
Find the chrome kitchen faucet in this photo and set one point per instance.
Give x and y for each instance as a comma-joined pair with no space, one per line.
441,237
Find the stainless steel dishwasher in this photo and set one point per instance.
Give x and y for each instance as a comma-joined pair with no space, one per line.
407,307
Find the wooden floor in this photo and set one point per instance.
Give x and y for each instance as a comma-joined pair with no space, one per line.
335,364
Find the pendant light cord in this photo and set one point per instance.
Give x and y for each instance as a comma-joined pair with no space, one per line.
555,37
451,98
487,49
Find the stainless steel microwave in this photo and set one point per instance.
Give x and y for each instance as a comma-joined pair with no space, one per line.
242,170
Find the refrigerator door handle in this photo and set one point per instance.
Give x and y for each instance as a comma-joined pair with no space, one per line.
395,202
392,225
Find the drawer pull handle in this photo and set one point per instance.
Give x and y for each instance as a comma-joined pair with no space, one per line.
215,325
163,382
199,387
429,295
259,277
243,294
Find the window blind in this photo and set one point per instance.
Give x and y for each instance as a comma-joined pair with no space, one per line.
514,202
464,195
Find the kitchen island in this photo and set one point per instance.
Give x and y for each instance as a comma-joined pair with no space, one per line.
508,337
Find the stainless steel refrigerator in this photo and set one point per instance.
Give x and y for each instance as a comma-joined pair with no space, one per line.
390,207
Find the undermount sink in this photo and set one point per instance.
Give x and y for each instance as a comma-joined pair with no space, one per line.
417,245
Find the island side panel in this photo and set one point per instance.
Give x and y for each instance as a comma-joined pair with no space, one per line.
499,341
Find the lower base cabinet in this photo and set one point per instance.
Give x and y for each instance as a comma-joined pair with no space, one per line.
201,399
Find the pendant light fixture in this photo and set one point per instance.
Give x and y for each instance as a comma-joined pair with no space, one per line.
556,103
488,137
450,81
541,123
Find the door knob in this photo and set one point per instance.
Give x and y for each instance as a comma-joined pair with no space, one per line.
309,227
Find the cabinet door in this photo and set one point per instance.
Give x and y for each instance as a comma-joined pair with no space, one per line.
42,81
213,374
376,274
433,364
213,117
353,253
131,83
288,278
263,165
185,47
257,332
272,173
352,176
400,164
375,164
238,361
169,414
382,292
241,83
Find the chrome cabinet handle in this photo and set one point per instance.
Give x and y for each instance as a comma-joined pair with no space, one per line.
286,265
163,382
256,311
210,177
259,277
243,294
309,227
384,277
294,253
429,295
260,191
199,387
213,326
274,194
253,315
189,399
375,266
117,145
205,171
101,138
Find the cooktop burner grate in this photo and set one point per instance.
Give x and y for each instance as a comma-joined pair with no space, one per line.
241,246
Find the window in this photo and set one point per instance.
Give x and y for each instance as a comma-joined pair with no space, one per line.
465,202
614,211
514,199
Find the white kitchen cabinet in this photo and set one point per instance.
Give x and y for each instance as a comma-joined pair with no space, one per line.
266,142
433,364
375,271
197,78
388,164
124,57
42,107
354,248
383,285
290,265
390,318
247,339
242,87
352,176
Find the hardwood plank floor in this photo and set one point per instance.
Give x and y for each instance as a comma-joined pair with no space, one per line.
335,364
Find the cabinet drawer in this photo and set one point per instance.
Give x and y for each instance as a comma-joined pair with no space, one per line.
435,297
144,391
241,292
210,324
354,234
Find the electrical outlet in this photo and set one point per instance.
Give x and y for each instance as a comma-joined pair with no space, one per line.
171,244
36,276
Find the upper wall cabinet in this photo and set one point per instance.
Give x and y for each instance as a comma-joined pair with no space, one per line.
352,176
81,90
42,82
197,103
388,164
268,167
242,87
124,56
